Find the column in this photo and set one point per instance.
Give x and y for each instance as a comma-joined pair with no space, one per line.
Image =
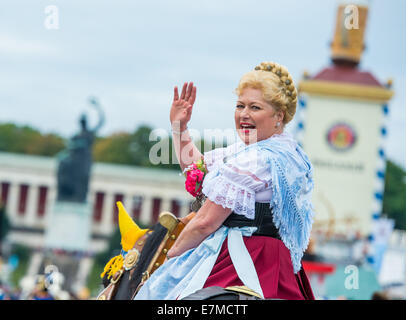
50,204
50,201
166,204
107,219
146,210
32,205
91,199
12,202
128,203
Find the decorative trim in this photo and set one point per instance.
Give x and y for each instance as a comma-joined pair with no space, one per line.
379,179
300,115
354,91
380,166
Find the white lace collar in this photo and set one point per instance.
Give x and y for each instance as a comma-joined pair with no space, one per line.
284,137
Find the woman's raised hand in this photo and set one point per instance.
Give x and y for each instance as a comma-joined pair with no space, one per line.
181,110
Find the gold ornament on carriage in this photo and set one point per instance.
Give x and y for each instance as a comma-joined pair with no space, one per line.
131,259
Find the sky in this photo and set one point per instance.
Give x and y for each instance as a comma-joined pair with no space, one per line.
130,55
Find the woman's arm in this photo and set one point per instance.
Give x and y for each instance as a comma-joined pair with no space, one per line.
186,151
207,220
180,114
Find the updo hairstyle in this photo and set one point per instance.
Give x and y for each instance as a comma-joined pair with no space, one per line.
276,85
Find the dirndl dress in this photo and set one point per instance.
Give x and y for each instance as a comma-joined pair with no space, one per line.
274,268
274,173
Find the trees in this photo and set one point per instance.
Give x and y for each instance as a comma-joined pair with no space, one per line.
394,198
127,148
134,148
27,140
113,149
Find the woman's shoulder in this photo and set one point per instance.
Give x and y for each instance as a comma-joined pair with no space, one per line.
285,150
278,145
284,140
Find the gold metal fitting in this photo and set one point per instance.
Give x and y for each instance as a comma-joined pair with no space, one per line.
168,220
117,276
145,276
131,259
243,289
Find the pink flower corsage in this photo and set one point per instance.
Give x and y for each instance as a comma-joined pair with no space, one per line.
195,174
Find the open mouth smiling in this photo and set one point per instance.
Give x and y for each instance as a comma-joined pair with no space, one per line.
246,127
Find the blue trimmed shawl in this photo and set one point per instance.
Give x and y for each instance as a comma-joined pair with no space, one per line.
292,186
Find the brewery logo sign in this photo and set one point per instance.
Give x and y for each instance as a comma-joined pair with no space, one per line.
341,136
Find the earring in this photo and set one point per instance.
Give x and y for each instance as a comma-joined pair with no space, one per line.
278,124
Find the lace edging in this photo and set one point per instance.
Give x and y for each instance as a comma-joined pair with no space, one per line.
228,194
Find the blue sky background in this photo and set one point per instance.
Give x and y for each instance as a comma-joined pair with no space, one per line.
130,54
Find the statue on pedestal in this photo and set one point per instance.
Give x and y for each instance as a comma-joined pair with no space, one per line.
75,161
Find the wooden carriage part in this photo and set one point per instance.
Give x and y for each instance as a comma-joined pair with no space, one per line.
174,227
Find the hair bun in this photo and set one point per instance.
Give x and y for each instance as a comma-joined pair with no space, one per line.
286,87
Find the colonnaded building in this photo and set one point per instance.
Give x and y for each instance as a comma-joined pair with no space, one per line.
28,191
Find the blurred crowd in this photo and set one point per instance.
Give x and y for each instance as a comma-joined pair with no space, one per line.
46,286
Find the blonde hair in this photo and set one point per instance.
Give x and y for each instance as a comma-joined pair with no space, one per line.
276,85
